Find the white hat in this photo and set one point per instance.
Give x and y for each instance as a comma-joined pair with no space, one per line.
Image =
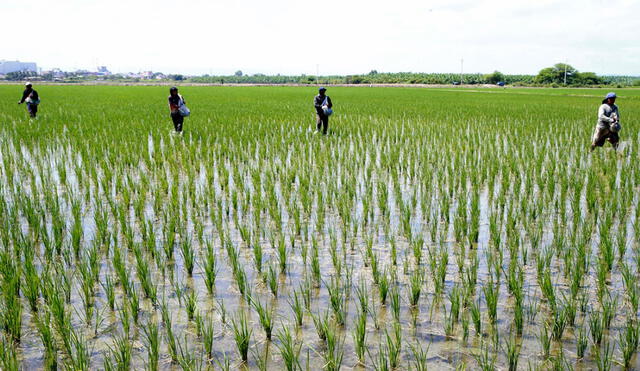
27,83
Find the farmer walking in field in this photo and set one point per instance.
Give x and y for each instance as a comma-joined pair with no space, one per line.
608,123
31,98
323,106
178,109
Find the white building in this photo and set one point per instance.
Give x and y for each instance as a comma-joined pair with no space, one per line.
16,66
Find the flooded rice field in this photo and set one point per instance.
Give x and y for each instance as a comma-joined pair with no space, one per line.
440,230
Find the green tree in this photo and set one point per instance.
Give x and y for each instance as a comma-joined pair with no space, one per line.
20,75
238,73
494,78
588,78
556,74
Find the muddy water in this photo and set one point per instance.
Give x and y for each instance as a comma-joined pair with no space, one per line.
423,324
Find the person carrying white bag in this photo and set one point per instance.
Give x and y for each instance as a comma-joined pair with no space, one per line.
179,109
324,109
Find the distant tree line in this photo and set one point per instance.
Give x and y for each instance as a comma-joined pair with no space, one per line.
551,76
558,75
20,75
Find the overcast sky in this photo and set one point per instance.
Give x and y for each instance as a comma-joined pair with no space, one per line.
341,36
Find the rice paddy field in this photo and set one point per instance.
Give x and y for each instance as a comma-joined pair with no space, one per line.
431,229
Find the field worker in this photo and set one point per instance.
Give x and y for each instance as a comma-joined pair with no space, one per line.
323,106
30,96
175,102
608,123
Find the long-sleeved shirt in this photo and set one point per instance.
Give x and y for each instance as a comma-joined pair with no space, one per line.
318,102
607,114
29,93
175,102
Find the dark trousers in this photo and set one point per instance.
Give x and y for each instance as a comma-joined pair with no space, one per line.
322,121
33,109
177,119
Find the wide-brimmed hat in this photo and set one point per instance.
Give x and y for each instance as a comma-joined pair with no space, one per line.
27,83
610,95
322,88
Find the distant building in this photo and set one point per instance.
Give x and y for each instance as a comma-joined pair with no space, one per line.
102,70
17,66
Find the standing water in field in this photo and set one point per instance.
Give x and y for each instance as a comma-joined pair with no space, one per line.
442,230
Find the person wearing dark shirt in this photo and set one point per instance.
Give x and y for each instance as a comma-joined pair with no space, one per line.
31,98
175,101
323,107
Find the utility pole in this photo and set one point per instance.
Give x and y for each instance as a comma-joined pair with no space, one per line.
565,72
461,69
317,74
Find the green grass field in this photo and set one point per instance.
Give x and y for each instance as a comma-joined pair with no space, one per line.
431,228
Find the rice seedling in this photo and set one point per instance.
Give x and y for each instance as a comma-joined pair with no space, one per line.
581,341
449,323
628,340
394,345
381,362
485,359
373,312
544,338
79,356
416,281
512,349
170,336
334,351
305,292
289,349
559,323
359,334
362,294
241,334
608,311
191,304
596,327
31,286
282,254
297,306
188,255
546,286
337,299
151,336
207,333
43,323
465,325
121,353
257,256
559,362
321,323
476,317
420,356
261,361
394,301
491,297
8,356
272,280
265,315
383,287
604,357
